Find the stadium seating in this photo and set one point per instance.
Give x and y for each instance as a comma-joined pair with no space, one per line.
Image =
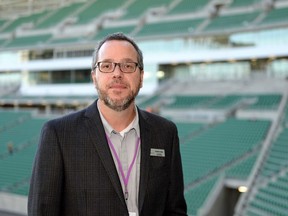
261,101
241,3
22,134
242,169
196,196
187,6
58,16
138,8
188,129
169,28
97,8
220,145
232,21
16,170
229,148
275,16
9,119
30,19
269,195
127,29
28,41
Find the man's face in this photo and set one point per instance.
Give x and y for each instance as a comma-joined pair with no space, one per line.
117,89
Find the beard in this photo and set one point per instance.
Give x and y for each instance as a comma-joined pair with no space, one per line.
118,104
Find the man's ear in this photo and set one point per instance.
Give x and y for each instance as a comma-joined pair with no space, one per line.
93,77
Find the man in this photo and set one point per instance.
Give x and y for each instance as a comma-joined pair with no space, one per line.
110,159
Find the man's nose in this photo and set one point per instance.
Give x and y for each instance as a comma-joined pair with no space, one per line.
117,71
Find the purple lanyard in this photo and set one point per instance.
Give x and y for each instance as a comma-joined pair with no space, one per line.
124,178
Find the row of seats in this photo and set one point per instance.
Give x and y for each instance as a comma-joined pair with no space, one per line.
196,196
8,119
220,145
85,13
266,101
20,135
16,169
270,198
204,149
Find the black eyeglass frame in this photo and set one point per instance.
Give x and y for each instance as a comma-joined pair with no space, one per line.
114,66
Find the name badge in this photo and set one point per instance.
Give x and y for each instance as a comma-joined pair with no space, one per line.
157,152
132,213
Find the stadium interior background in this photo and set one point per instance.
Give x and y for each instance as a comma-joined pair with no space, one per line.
217,68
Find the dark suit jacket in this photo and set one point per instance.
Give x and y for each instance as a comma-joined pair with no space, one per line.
74,171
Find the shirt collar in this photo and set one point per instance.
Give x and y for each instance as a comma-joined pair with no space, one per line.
133,125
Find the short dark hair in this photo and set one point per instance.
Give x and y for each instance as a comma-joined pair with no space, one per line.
121,37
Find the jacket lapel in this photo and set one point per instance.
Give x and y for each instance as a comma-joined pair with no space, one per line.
95,128
146,139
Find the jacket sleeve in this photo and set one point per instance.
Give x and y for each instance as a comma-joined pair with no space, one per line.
176,204
47,176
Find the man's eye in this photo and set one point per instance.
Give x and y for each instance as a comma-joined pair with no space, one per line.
128,65
106,65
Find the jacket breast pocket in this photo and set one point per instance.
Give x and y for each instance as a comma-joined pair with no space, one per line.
158,167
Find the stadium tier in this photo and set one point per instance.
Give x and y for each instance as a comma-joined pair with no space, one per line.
220,102
174,18
218,69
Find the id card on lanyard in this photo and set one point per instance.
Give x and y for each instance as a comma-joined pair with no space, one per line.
124,178
132,213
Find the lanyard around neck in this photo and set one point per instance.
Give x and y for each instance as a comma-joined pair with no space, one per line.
124,178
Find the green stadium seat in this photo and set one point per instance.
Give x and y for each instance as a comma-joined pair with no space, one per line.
29,19
169,28
275,16
28,41
58,16
96,9
109,30
16,170
188,6
139,7
243,3
196,196
231,21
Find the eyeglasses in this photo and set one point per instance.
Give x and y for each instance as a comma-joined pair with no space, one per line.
109,67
